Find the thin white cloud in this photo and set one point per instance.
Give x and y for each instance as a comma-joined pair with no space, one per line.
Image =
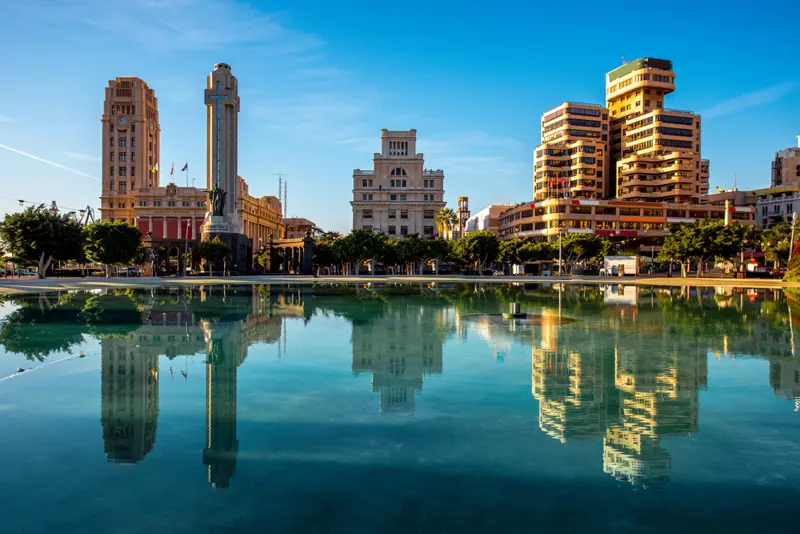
5,119
81,157
165,25
749,100
54,164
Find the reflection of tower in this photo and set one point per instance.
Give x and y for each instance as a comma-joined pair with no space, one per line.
398,348
659,397
784,377
569,384
129,400
221,443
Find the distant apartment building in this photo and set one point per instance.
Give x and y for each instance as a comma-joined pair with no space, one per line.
705,169
398,197
573,159
486,219
786,166
295,227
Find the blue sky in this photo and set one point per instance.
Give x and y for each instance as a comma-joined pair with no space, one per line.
318,80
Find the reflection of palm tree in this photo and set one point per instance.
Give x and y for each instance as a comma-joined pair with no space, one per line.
446,220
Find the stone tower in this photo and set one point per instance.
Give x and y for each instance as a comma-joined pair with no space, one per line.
222,104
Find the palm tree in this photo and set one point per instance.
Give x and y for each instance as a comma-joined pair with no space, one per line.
446,220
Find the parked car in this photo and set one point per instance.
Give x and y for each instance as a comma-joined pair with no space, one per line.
24,272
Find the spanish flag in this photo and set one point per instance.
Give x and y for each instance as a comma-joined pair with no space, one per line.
172,170
155,168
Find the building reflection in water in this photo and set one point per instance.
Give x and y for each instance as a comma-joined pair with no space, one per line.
217,322
398,348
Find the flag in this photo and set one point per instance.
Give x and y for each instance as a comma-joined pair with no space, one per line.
185,167
155,168
172,170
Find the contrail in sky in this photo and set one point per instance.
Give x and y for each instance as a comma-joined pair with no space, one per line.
54,164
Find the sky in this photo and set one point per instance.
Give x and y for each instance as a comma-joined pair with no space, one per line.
318,80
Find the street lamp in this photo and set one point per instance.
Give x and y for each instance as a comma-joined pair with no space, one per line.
791,239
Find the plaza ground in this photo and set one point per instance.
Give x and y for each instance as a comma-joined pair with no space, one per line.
30,284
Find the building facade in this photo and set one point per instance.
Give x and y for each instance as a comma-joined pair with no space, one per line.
573,160
296,227
786,166
486,219
130,146
777,204
549,218
398,197
656,150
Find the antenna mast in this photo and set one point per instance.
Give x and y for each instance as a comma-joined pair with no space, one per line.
282,189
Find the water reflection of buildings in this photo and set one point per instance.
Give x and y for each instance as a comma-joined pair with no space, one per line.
399,347
179,324
632,392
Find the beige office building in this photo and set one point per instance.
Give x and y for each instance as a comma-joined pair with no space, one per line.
786,166
131,143
573,159
398,197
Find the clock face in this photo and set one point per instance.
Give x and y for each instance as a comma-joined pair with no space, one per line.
122,121
152,126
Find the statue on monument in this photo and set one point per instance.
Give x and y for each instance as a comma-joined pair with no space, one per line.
217,199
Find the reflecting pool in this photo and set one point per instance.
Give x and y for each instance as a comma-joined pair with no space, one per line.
400,408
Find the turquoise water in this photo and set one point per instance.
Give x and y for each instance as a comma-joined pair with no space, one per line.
410,408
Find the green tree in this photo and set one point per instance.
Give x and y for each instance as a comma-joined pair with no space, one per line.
582,247
357,247
39,235
436,249
213,250
410,251
702,241
538,251
112,242
775,242
478,249
324,252
508,251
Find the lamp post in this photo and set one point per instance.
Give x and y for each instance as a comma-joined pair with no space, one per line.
559,252
186,245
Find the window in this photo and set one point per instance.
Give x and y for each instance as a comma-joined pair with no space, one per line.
186,203
427,230
112,156
171,203
404,230
157,203
427,214
143,203
402,197
425,183
123,142
363,196
123,186
398,171
788,208
150,146
123,156
366,214
122,171
392,214
370,183
370,197
133,142
368,227
201,204
133,171
392,197
404,214
392,230
391,183
112,171
111,187
363,183
404,183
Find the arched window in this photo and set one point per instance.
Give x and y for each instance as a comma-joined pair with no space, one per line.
399,171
